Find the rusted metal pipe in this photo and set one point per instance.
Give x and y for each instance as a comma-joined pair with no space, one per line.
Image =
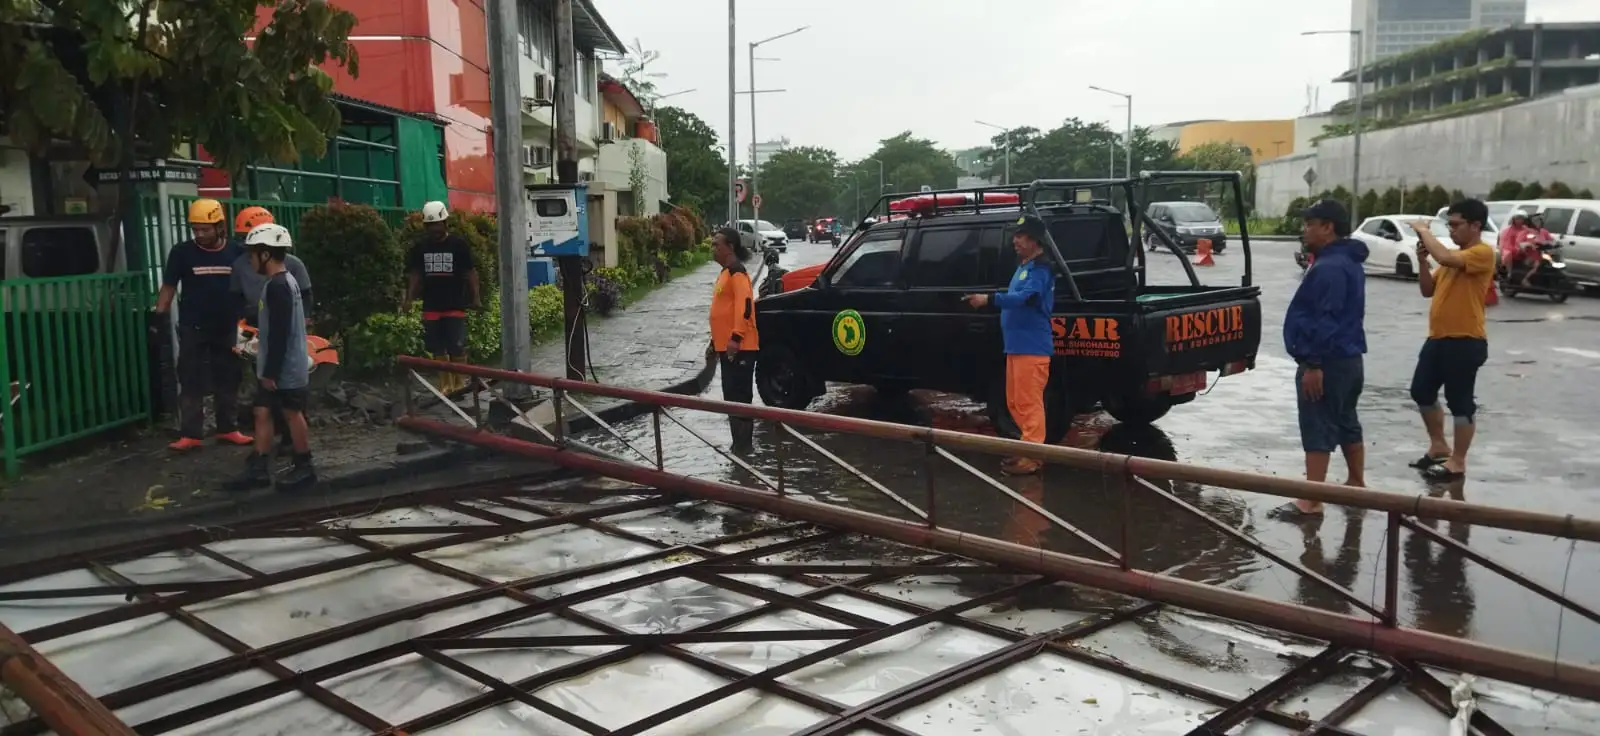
54,697
1421,506
1403,643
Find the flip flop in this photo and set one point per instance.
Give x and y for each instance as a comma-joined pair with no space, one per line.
1292,513
1441,473
1427,461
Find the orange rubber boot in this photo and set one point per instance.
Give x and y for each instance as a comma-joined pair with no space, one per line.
235,438
184,444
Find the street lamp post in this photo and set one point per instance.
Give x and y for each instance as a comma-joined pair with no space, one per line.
755,169
1127,145
1007,132
1361,83
733,116
880,175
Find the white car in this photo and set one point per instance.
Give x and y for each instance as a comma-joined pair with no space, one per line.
1392,244
760,234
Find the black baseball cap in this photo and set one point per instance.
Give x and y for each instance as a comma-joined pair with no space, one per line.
1330,211
1032,226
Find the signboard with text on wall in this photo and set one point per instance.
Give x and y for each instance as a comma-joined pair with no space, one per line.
557,223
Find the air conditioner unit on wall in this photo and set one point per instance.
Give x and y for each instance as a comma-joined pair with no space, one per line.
608,132
584,177
527,156
544,89
541,156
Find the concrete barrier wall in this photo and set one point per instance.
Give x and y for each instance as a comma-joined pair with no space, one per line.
1555,138
1280,180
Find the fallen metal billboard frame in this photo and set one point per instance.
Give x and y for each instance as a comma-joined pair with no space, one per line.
118,588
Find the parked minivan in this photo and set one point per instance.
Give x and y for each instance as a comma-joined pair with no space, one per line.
1187,223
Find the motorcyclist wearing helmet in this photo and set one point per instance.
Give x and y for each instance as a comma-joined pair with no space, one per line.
246,282
283,367
208,318
440,272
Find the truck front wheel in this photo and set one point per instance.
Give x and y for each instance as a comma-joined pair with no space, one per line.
783,381
1057,418
1136,408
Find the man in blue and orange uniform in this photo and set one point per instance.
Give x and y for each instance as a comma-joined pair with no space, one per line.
1025,325
733,331
208,318
440,272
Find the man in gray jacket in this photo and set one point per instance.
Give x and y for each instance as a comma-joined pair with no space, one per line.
247,284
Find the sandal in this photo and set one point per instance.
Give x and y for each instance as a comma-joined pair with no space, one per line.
1427,461
1441,473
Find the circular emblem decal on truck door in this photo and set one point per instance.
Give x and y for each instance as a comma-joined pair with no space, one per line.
849,332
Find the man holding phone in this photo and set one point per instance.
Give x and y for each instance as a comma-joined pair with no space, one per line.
1458,342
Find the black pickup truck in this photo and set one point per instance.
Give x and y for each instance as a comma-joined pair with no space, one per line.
887,309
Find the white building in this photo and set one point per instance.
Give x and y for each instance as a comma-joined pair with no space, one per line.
1391,27
765,149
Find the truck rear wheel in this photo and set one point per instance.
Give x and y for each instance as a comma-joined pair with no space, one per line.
1130,408
1057,419
783,381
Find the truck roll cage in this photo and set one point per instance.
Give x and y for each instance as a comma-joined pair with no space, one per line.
1035,199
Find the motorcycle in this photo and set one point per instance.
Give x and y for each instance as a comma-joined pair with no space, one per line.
1551,279
1304,257
773,282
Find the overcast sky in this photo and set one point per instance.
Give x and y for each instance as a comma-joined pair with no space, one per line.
869,69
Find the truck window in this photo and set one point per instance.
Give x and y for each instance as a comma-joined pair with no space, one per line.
957,258
59,251
1588,224
875,263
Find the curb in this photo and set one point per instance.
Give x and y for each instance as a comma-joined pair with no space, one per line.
361,476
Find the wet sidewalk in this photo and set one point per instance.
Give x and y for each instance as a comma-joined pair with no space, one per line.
657,343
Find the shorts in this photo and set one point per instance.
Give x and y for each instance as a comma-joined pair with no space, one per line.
1450,363
445,336
1332,422
283,399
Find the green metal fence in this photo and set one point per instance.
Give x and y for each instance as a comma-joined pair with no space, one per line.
76,359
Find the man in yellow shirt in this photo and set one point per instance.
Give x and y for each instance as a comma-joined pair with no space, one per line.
1457,342
733,331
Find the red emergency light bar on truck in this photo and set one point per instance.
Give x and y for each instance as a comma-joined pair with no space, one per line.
928,204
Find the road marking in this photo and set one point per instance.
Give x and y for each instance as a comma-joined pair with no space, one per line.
1590,354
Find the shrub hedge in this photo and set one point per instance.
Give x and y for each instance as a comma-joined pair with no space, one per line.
1423,200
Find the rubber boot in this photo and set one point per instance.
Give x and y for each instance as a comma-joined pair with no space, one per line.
300,476
257,474
743,431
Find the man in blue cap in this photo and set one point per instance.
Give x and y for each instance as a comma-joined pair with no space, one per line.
1324,332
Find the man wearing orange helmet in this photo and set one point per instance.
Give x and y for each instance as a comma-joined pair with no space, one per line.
247,285
208,317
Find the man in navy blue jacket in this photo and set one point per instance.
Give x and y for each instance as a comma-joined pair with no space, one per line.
1323,333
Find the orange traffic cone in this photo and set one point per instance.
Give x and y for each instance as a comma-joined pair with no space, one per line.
1493,297
1202,253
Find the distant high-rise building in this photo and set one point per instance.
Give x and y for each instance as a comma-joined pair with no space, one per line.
765,149
1391,27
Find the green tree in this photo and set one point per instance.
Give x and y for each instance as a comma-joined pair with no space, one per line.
358,260
1534,190
1340,195
1585,194
909,163
1222,156
697,173
1438,199
1389,204
798,183
1558,190
1417,199
1370,204
102,74
1508,189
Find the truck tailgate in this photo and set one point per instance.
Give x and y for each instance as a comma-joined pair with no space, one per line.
1188,337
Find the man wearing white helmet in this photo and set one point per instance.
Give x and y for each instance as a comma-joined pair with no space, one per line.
440,272
283,369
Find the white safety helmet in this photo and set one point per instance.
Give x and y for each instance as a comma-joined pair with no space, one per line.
435,212
269,235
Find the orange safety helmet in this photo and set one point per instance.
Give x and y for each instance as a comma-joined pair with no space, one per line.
205,212
250,217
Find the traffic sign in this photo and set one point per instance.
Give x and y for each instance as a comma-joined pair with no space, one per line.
144,174
738,190
757,201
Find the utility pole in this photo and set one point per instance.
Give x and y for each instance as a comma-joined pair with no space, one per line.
1358,38
567,173
755,166
506,118
733,116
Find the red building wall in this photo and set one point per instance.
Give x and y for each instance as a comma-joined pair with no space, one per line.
430,56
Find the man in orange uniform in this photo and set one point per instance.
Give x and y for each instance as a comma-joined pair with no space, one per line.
1025,324
733,332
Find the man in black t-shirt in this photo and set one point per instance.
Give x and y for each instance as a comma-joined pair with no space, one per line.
208,319
440,272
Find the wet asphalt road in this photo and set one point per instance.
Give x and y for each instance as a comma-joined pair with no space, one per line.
1536,449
